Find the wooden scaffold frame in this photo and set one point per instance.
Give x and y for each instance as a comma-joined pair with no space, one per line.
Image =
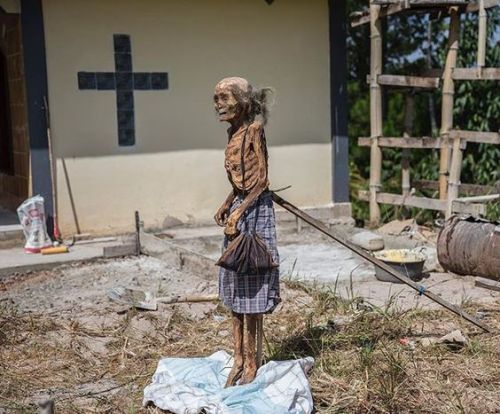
451,142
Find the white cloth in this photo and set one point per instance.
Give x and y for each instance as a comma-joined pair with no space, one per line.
188,385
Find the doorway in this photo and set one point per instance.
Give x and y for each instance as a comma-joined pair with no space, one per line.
14,142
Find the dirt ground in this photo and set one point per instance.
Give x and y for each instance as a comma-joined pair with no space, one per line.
61,338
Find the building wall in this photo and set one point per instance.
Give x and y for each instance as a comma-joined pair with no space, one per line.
14,187
176,167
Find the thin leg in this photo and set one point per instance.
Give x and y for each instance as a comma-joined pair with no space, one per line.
260,336
237,370
250,363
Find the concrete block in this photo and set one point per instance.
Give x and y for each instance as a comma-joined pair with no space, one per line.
368,241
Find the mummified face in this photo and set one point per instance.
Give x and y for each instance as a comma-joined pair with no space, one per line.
227,107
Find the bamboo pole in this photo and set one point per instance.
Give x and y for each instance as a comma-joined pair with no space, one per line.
375,112
481,38
405,158
447,101
454,179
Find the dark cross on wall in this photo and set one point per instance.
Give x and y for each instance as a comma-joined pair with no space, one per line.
124,81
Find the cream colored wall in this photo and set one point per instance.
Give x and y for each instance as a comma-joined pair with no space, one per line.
176,166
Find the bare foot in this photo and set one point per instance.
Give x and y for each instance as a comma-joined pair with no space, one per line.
234,375
248,374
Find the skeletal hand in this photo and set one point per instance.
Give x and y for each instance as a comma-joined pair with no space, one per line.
231,229
222,215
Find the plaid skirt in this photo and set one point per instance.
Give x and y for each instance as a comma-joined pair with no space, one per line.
244,293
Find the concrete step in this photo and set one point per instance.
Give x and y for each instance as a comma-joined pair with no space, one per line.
11,235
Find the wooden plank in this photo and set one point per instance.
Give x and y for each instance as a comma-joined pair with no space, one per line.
424,203
474,209
472,189
485,285
476,74
405,142
318,225
408,81
363,17
473,6
476,136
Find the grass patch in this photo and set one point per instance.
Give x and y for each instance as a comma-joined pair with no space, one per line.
361,366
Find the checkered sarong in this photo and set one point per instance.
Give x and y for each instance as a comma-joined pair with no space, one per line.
253,293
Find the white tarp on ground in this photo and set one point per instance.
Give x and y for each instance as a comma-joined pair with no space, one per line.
189,385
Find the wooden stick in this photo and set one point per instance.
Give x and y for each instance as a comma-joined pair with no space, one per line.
318,225
70,194
192,299
375,111
478,199
447,101
487,286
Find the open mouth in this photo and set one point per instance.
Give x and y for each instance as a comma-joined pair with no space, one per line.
222,112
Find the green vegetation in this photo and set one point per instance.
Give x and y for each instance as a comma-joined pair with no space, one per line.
407,50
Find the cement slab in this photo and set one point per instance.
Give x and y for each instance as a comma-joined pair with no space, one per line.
16,260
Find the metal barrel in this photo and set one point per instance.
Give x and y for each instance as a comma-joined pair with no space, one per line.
470,247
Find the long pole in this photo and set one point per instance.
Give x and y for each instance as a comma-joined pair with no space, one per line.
481,38
375,111
447,101
318,225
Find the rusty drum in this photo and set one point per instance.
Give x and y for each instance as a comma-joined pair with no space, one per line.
468,246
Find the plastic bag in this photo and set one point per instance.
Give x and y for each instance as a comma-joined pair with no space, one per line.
31,214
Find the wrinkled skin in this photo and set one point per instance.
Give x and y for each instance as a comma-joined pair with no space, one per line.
228,109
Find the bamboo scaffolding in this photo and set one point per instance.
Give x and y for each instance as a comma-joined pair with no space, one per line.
447,101
375,111
451,142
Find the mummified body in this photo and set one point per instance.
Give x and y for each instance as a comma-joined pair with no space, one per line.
248,207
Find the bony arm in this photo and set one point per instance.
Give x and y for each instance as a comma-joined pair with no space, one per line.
223,212
260,151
